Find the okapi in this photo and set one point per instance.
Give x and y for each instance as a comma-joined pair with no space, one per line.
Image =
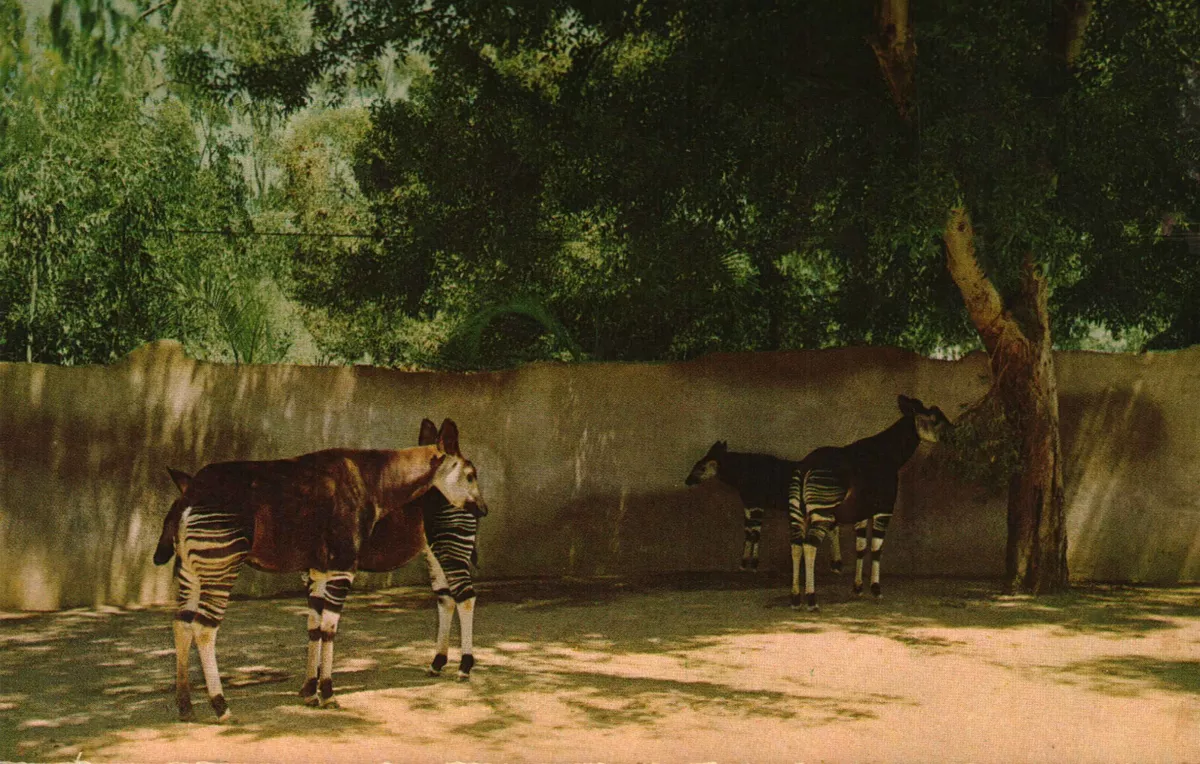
854,484
762,483
449,552
317,513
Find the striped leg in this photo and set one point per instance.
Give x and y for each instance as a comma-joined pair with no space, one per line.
445,605
835,550
823,492
211,547
327,592
860,549
183,648
796,528
879,526
466,627
451,552
753,526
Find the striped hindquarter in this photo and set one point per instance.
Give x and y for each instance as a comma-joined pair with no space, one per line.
813,498
210,547
452,551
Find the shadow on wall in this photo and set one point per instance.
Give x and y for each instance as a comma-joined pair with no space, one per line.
628,532
1131,511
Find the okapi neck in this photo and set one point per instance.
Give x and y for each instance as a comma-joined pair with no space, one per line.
896,444
408,474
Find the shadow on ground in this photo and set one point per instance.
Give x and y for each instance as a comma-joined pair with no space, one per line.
609,653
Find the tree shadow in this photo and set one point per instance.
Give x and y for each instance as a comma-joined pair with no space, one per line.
1128,676
612,652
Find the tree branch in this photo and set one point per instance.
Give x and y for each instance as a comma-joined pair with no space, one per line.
154,9
896,50
984,304
1068,27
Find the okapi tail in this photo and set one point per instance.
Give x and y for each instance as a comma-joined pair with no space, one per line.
166,540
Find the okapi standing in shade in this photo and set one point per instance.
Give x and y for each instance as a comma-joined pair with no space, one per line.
312,513
762,483
854,484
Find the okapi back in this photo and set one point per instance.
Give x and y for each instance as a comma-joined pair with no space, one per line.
318,510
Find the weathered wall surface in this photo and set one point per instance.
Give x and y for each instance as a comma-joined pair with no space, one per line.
583,466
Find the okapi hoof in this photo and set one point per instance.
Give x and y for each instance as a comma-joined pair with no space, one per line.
436,666
795,601
221,708
836,566
858,590
464,667
875,590
326,692
812,603
309,690
186,714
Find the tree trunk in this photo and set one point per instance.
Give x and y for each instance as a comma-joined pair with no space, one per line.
1020,350
1022,371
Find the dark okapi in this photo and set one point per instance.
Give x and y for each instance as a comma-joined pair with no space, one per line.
315,513
762,483
854,484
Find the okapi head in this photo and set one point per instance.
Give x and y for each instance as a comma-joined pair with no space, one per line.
709,463
456,476
931,423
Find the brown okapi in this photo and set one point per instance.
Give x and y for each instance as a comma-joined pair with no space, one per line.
316,513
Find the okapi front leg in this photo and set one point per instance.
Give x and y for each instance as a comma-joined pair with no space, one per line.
331,588
466,627
835,550
753,528
445,605
879,526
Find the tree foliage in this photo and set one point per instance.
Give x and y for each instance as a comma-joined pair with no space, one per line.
680,177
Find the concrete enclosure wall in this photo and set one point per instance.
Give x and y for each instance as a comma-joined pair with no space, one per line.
583,466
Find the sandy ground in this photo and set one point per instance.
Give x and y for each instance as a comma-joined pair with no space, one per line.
714,668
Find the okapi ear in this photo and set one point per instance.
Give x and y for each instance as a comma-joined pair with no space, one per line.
448,437
906,405
429,433
182,479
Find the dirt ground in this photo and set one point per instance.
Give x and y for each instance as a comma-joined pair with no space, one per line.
713,668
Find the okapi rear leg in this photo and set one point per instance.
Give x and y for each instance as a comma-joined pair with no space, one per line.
753,527
835,550
819,526
860,549
183,648
206,645
879,526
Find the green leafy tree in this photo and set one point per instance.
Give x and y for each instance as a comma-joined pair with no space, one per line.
677,177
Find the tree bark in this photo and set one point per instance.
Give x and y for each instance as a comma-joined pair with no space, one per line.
1023,377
